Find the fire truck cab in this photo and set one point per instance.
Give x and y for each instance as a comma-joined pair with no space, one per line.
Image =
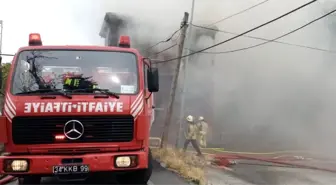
78,112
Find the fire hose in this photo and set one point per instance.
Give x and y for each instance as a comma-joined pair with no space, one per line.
287,158
227,160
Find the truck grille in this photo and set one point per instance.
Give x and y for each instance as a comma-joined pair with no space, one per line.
42,130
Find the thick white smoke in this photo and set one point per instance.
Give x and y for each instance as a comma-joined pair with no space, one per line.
267,98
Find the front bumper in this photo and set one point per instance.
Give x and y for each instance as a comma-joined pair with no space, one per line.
103,162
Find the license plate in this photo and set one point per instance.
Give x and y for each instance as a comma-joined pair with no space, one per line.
69,169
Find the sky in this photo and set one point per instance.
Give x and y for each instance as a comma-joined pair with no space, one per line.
77,22
269,87
74,22
54,20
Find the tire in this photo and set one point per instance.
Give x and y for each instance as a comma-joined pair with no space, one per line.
30,180
138,177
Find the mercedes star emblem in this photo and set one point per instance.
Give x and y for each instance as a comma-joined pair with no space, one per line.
73,129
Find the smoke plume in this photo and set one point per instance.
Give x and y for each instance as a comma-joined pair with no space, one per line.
273,97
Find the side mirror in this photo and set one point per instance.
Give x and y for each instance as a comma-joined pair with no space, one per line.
153,79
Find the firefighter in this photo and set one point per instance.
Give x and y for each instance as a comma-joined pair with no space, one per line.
203,130
191,135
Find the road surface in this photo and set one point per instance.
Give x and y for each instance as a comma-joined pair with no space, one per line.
159,176
261,173
246,172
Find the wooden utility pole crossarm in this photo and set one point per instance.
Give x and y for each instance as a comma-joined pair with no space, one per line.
164,137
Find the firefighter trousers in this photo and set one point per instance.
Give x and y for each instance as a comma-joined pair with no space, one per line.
194,144
202,140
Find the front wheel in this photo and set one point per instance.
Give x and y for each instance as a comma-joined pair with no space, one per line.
138,177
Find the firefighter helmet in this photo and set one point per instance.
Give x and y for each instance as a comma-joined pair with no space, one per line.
201,118
190,118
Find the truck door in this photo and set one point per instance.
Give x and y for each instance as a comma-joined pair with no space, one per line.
149,102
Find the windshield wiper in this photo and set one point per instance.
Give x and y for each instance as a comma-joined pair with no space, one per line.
105,91
56,91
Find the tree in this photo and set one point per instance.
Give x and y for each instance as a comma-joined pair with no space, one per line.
5,71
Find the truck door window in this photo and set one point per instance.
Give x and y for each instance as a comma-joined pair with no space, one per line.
49,68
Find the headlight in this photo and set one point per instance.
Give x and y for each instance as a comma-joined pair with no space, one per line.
125,161
13,165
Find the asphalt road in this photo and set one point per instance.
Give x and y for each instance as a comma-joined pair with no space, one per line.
260,173
160,176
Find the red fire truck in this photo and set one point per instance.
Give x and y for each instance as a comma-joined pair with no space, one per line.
72,129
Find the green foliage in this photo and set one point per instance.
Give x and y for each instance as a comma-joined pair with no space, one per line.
5,70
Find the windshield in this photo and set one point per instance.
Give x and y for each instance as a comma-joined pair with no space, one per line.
50,69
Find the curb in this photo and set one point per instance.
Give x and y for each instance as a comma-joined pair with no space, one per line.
164,165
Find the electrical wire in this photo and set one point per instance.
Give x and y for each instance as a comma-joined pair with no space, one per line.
235,37
168,48
172,46
167,40
221,20
263,39
3,54
238,13
179,35
284,35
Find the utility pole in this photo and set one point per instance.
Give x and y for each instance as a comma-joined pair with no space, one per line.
185,75
164,137
1,31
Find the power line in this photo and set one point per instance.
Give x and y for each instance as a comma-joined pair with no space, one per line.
168,48
179,35
238,13
232,38
260,38
295,30
3,54
167,40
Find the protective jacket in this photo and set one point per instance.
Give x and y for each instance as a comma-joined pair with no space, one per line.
191,131
203,127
